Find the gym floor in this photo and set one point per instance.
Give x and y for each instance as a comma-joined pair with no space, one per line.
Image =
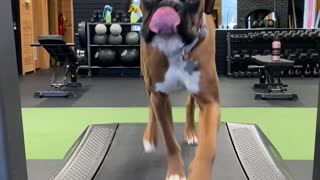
130,92
52,125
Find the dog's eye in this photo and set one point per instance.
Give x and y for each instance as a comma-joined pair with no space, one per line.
149,3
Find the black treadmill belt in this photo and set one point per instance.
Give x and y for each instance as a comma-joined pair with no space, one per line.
126,158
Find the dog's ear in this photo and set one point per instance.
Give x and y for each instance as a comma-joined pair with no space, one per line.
209,5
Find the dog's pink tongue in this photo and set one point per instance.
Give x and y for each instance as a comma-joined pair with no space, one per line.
165,19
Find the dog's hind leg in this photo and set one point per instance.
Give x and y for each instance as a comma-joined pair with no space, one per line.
190,132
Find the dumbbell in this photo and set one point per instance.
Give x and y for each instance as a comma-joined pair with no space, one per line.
246,37
236,56
281,35
266,36
316,32
235,74
245,55
316,71
252,36
289,35
255,52
242,74
307,71
276,33
302,57
289,54
258,35
305,35
272,35
313,35
297,34
239,37
255,74
248,74
313,55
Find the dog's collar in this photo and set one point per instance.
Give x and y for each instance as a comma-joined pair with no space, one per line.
202,34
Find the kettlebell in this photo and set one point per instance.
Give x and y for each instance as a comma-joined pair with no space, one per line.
297,72
316,71
307,71
291,73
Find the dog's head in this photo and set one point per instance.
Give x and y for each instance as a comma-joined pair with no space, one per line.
173,19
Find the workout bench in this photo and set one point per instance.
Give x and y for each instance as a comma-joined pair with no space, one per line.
64,75
275,90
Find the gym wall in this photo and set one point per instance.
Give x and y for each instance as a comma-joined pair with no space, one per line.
245,7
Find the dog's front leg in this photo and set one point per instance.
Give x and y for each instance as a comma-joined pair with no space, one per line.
162,110
190,133
201,166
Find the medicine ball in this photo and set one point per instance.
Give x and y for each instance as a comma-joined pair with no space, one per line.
130,57
100,29
115,40
100,39
115,29
105,57
132,38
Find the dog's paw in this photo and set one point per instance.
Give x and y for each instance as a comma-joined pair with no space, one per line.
191,137
176,177
148,147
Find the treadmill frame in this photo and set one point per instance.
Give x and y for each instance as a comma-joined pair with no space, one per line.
12,152
12,155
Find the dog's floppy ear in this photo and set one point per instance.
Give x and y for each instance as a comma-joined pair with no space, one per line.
209,5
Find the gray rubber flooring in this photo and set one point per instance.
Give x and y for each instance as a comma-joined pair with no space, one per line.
130,92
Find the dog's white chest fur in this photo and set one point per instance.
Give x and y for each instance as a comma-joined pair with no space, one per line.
177,78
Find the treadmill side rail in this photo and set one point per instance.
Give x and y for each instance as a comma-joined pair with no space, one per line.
88,153
259,158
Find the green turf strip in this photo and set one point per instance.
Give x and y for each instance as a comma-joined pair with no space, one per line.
49,132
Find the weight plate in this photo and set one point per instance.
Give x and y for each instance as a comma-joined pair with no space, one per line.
82,29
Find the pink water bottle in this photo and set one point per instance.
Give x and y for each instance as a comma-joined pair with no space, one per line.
276,49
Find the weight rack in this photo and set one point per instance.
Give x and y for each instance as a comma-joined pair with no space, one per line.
116,70
241,40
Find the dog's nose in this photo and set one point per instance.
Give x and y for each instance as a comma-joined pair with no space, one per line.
165,20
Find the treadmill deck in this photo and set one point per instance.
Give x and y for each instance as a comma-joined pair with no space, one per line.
125,158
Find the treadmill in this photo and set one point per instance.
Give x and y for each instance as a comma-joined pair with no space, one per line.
115,152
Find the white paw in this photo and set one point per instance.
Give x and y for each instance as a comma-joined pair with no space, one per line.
148,147
192,140
176,177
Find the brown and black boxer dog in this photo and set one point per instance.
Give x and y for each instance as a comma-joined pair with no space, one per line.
178,53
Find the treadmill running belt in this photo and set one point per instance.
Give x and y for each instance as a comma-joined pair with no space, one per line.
243,153
127,159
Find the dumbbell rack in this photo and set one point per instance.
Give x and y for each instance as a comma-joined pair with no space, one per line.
295,41
116,70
